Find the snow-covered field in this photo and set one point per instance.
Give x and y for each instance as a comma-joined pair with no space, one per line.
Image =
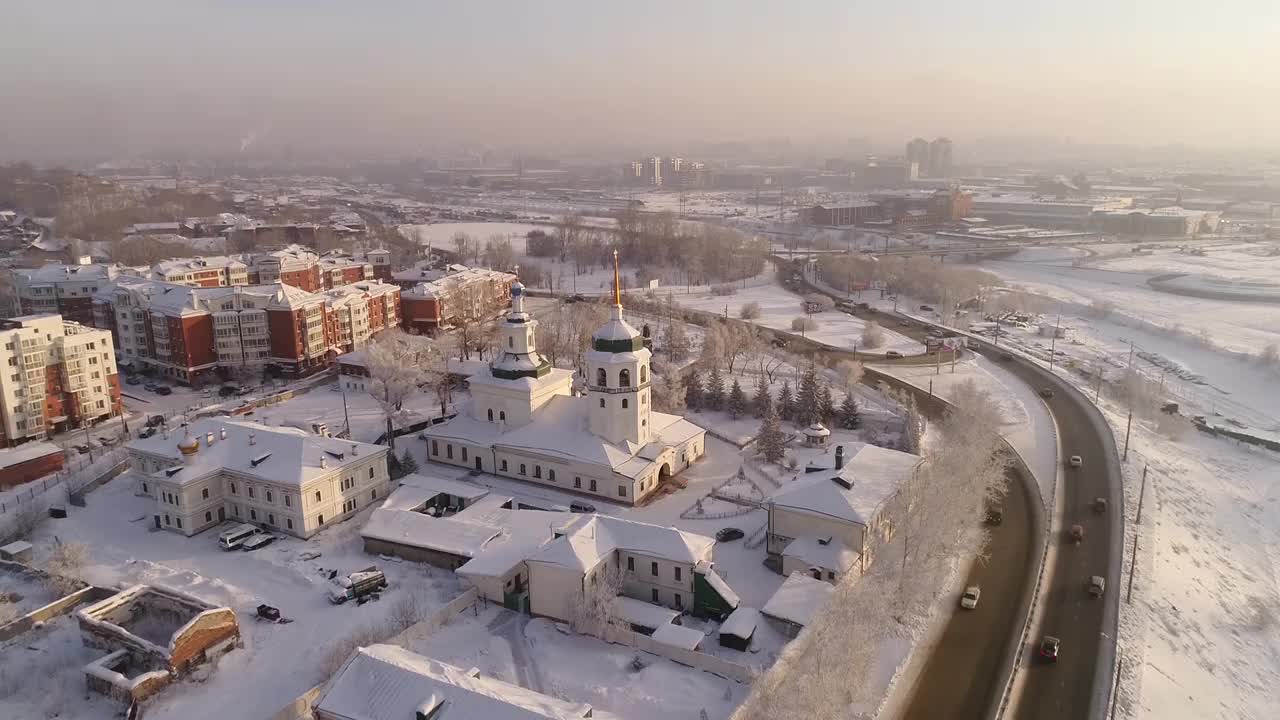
277,662
779,306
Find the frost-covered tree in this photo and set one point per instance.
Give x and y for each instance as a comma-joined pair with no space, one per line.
715,389
808,408
762,403
872,335
398,364
693,390
850,418
770,440
594,612
851,372
408,465
786,402
675,342
913,430
667,389
737,402
826,404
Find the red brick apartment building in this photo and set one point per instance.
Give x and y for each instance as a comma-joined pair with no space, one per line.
203,335
465,295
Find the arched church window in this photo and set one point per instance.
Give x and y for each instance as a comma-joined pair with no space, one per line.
602,377
624,378
490,414
644,374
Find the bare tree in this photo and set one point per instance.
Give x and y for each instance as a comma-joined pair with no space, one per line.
464,245
804,324
399,364
851,372
595,610
750,311
872,335
65,567
667,390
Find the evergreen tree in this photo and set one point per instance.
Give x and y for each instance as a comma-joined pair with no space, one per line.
826,404
737,404
914,431
762,404
770,440
786,402
408,465
675,342
715,389
693,390
850,418
807,410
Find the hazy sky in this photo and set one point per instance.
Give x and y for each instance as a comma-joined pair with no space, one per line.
138,74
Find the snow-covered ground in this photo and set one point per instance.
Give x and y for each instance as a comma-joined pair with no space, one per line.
41,676
779,306
277,662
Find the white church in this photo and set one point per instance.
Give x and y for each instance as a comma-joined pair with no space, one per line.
525,422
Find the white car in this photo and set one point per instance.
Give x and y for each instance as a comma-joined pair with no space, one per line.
1076,461
257,541
969,600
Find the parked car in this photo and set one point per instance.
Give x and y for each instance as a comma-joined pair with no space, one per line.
206,393
1049,646
147,432
969,600
1077,534
1097,586
1075,461
927,308
1006,356
995,516
82,449
257,541
729,533
892,354
904,323
132,380
164,390
1099,505
151,387
227,391
1046,393
581,507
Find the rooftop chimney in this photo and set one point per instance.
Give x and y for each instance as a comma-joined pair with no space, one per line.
324,462
839,457
253,439
355,449
222,433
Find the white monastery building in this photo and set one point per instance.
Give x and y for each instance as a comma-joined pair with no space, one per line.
283,479
526,423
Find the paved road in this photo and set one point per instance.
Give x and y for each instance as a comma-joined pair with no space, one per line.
1067,690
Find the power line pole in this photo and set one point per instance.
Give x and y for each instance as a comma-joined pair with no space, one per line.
1053,342
1130,354
1142,494
1133,567
1128,427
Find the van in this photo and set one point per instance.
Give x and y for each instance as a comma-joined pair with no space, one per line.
233,538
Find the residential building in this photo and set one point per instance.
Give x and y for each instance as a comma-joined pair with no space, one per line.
918,152
55,375
28,462
193,334
455,296
879,174
795,603
822,525
940,158
213,271
1170,221
854,213
385,682
280,478
65,290
152,636
525,423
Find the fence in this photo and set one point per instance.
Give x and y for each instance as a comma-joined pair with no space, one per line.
692,658
76,478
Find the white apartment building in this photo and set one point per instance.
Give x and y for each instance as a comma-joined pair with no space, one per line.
54,375
211,271
282,479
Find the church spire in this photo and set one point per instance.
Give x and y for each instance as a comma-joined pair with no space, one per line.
617,281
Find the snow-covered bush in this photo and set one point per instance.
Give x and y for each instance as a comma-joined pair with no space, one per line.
724,289
872,335
750,311
804,324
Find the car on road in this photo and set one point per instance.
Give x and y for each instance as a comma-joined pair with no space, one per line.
969,600
132,380
972,344
257,541
1006,356
164,390
155,421
1049,648
994,516
729,533
581,507
892,354
1046,393
1097,586
1077,534
150,387
146,433
904,323
927,308
82,449
1075,461
206,393
227,391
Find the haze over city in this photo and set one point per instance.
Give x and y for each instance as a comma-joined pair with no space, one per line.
202,77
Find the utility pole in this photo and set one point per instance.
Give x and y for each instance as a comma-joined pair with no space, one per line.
1133,566
1128,426
1053,342
1143,492
1130,354
997,331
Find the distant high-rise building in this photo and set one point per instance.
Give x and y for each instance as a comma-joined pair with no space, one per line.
653,170
940,158
918,152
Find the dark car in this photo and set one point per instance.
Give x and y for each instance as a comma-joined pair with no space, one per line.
1006,356
164,390
927,308
155,421
82,449
581,507
995,516
227,391
150,386
1049,648
147,432
729,533
1046,393
132,380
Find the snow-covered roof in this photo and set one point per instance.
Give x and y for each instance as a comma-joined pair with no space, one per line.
53,272
417,488
814,552
798,599
384,682
644,614
616,328
277,454
870,476
523,533
741,623
679,636
196,264
449,535
27,451
726,593
595,536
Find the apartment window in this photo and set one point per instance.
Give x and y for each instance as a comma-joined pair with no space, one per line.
679,602
551,474
510,341
236,510
288,523
464,457
253,514
317,496
268,496
624,403
644,374
250,490
435,447
144,489
622,491
204,494
448,451
464,454
624,378
166,520
208,517
577,482
601,402
655,595
502,415
522,471
287,503
490,414
537,471
631,564
602,377
593,484
653,569
319,519
677,569
373,494
504,466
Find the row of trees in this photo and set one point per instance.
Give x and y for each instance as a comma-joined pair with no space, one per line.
832,669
